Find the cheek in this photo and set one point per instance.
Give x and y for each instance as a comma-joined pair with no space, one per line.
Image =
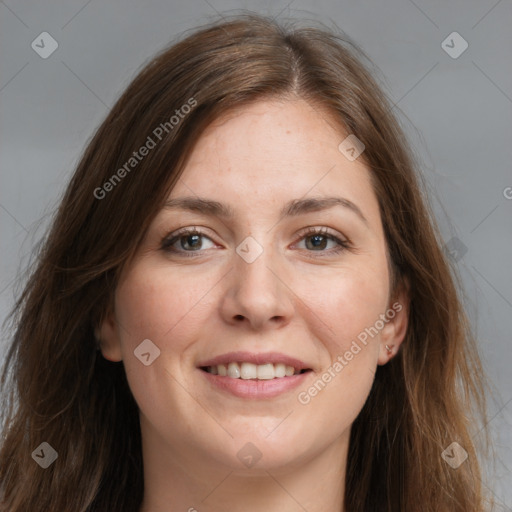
337,394
351,307
154,303
345,304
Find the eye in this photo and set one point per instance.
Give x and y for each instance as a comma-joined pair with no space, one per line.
188,241
317,239
185,241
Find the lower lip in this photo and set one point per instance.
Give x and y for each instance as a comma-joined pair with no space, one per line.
251,388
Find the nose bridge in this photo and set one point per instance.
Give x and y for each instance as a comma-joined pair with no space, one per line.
253,265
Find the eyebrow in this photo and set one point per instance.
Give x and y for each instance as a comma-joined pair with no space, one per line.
293,208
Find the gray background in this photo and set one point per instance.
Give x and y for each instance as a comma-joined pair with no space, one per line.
456,111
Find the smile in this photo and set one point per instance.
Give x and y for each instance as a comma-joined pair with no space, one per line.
248,371
251,375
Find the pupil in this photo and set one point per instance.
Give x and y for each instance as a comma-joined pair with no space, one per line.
196,240
318,240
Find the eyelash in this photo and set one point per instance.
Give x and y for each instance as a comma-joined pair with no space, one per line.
170,240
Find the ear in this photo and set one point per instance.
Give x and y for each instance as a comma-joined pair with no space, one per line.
395,328
107,335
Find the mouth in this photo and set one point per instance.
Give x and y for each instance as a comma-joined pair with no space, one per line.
249,375
251,371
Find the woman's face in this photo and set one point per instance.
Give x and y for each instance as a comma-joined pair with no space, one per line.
258,287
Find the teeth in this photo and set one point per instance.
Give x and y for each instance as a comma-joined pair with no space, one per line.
280,370
234,370
246,371
266,371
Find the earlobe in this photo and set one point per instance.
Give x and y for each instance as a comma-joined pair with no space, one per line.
107,338
393,333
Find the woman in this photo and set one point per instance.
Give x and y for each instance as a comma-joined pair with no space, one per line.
242,303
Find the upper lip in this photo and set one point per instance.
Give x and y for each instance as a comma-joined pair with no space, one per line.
255,358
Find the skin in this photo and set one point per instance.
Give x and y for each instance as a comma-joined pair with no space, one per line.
295,298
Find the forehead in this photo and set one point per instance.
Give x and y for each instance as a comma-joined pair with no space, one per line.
271,152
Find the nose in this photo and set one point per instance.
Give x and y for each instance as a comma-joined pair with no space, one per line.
256,293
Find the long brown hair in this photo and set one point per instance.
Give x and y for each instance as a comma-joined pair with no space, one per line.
60,390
